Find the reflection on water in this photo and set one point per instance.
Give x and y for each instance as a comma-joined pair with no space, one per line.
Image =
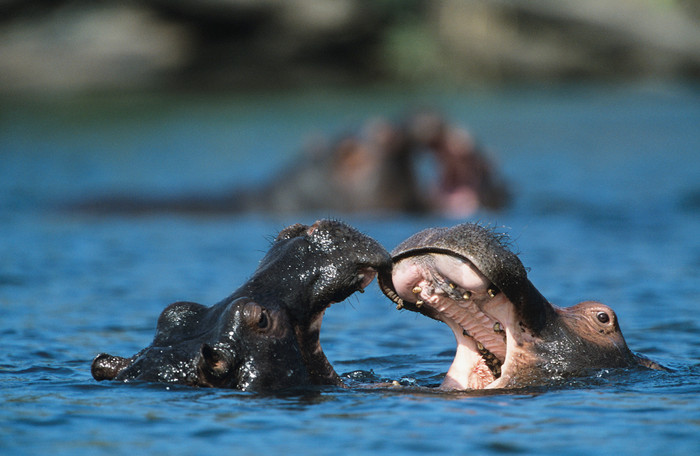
603,182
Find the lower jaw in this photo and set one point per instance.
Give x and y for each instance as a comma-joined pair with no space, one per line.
451,384
468,372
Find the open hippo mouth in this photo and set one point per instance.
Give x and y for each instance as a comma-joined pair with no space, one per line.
451,289
463,276
508,335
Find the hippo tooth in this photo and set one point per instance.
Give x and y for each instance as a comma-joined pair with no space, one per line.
393,296
419,303
417,290
491,360
399,306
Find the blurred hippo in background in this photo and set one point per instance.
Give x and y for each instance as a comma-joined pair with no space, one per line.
420,165
265,336
508,335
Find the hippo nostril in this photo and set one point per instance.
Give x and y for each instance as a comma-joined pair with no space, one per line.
106,367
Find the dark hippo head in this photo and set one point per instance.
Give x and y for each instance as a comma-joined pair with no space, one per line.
508,335
264,336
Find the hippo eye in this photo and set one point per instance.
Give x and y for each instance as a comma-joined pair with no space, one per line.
264,320
603,317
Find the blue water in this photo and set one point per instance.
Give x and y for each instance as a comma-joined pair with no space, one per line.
607,188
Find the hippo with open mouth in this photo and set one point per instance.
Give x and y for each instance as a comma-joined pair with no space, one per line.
508,335
265,336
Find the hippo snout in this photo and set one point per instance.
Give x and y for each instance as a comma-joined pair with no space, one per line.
106,367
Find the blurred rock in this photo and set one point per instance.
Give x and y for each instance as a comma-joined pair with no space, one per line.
238,44
100,46
554,39
184,43
277,43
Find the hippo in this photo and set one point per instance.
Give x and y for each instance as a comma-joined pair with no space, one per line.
376,170
508,335
264,336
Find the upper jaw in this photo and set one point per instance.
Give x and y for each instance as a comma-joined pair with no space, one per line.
355,282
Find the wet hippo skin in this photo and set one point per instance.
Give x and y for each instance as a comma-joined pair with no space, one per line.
264,336
508,335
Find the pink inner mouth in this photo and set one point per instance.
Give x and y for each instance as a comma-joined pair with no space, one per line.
478,314
367,275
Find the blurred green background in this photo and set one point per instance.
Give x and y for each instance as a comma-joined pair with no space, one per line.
194,45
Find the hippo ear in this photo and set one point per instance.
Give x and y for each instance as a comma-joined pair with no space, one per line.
214,366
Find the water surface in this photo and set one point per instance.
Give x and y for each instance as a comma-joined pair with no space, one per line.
607,188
